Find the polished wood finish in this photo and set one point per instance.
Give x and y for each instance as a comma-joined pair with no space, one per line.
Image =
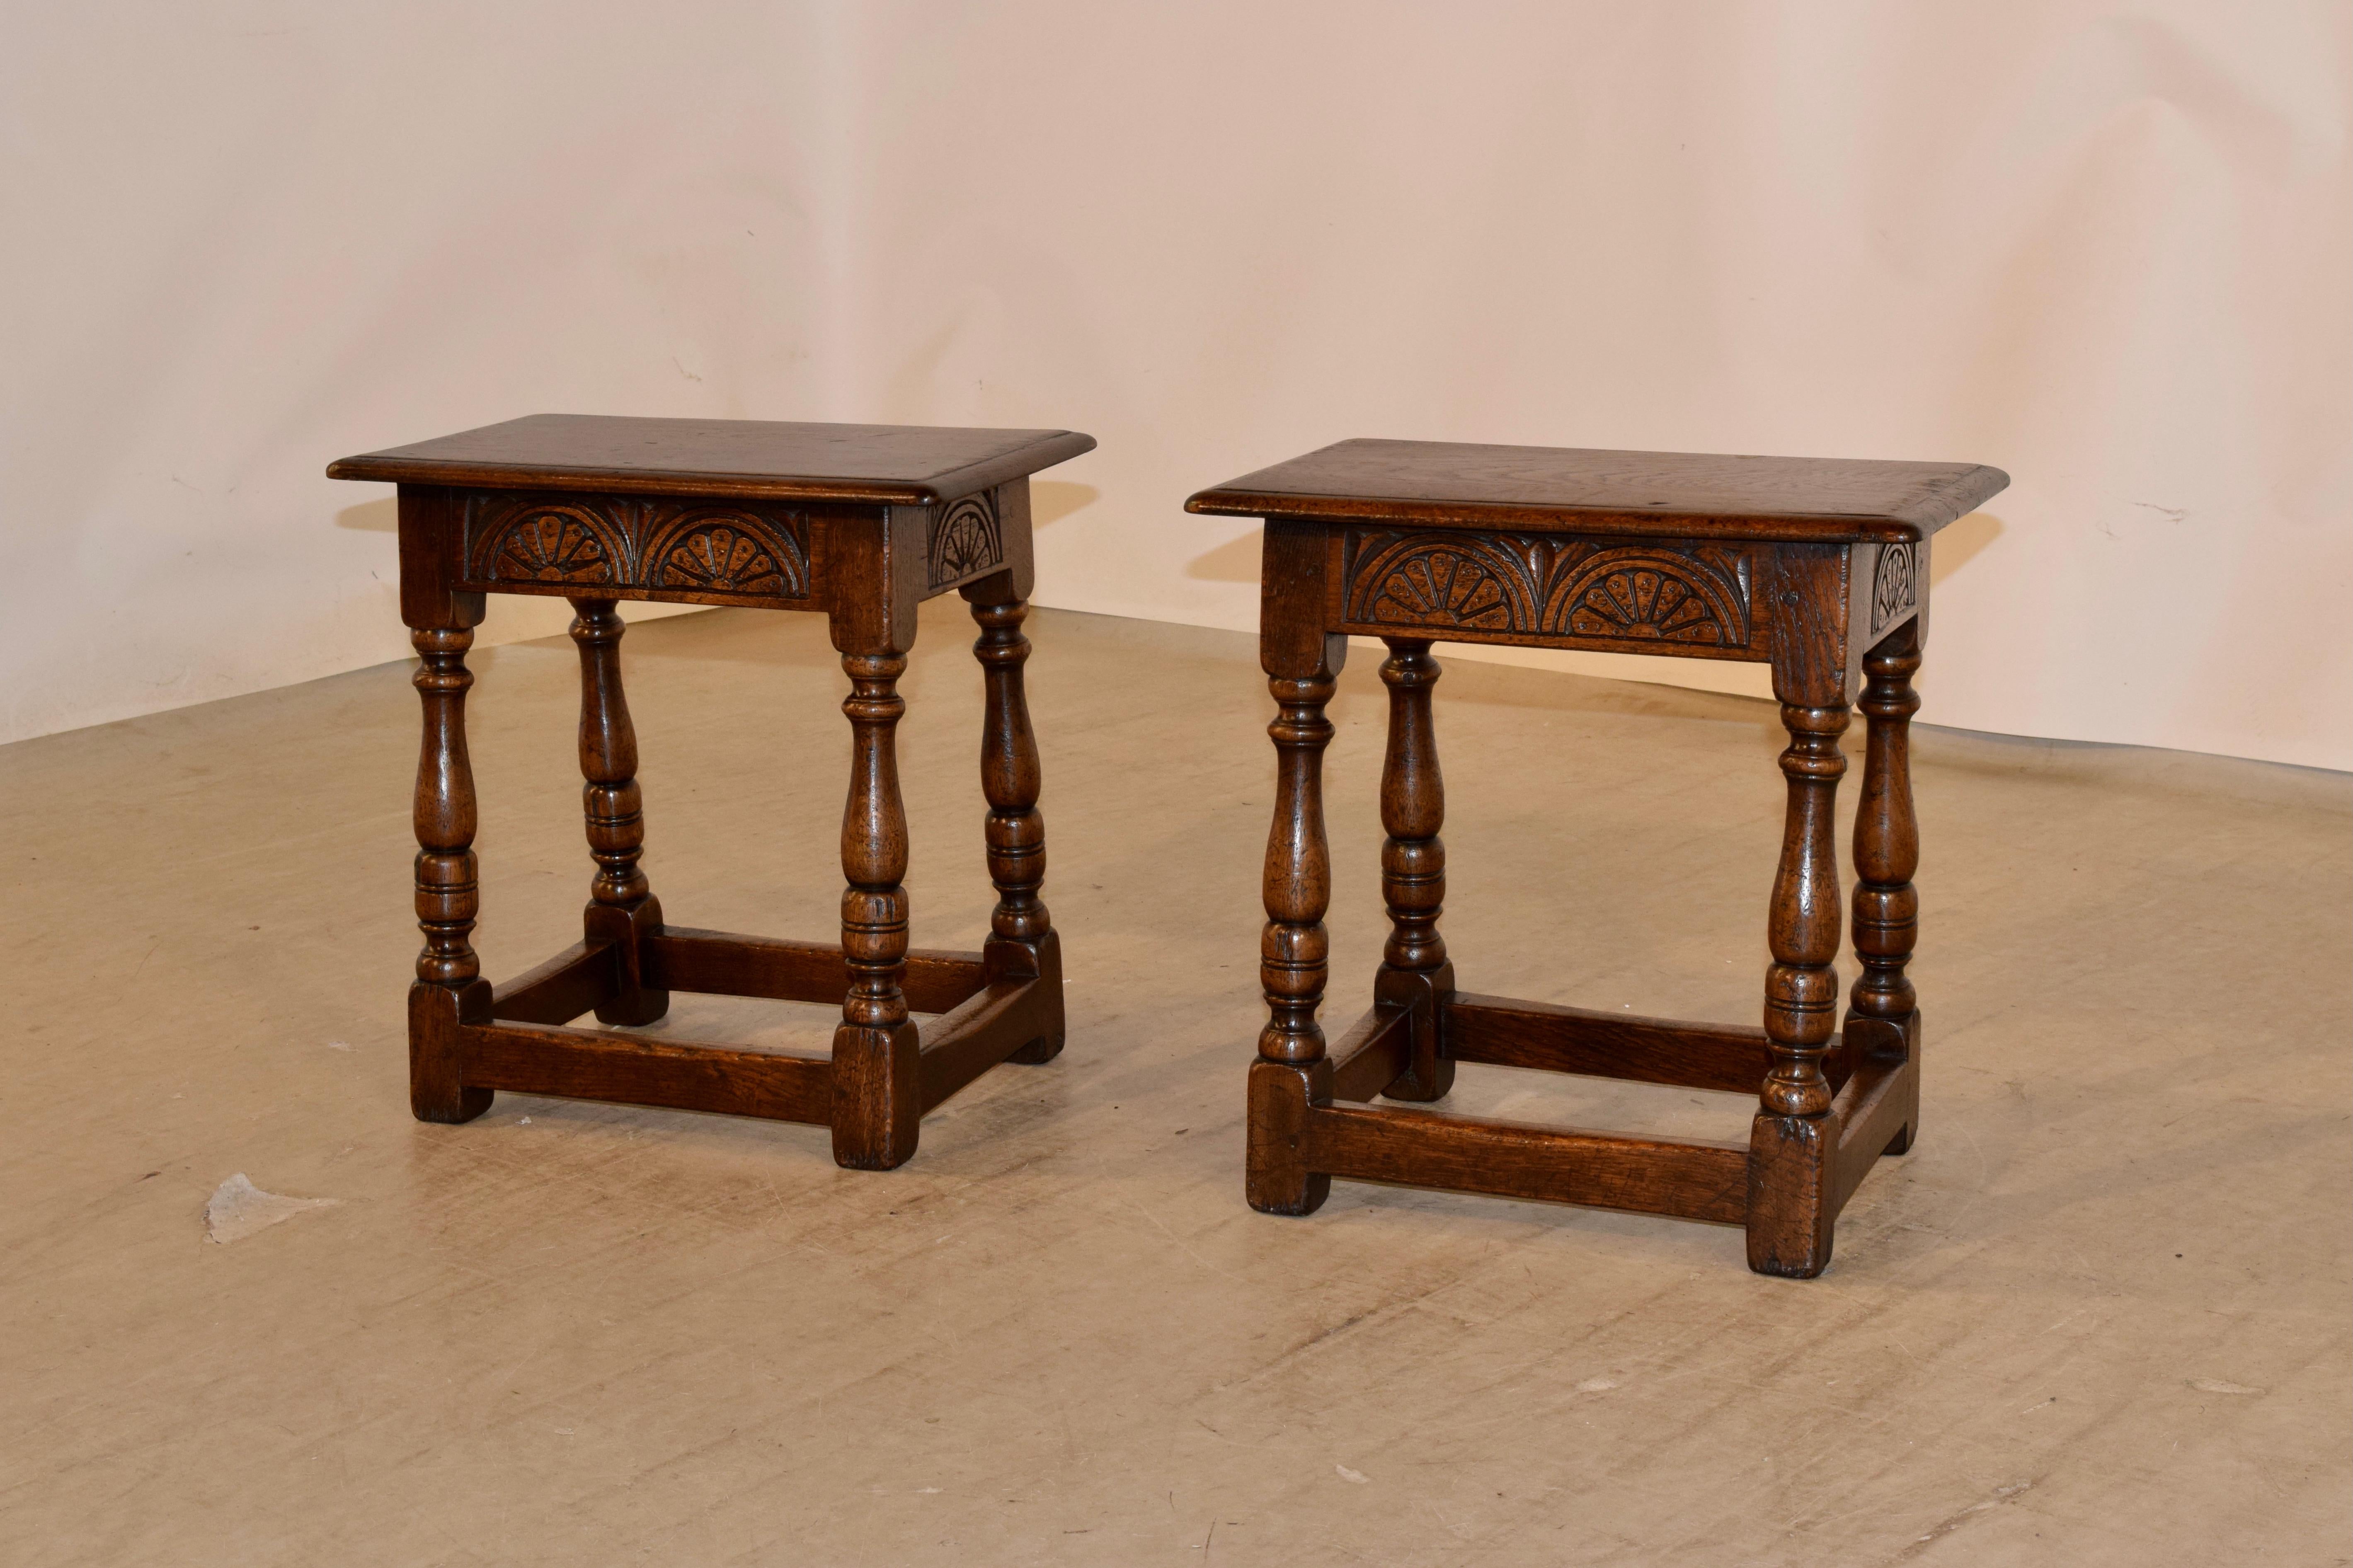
859,523
1687,1177
449,991
1414,973
581,1064
1022,943
961,1045
621,906
1887,834
1728,1058
1802,986
1651,495
1373,1055
1303,664
558,991
1818,569
447,896
887,465
717,963
875,1048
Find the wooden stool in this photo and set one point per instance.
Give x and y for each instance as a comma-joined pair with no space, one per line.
1817,568
858,521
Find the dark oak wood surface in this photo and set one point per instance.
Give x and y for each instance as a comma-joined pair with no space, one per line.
889,465
1506,1033
1689,1178
1451,484
1816,567
857,522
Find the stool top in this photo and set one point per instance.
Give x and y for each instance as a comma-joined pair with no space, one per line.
889,465
1453,484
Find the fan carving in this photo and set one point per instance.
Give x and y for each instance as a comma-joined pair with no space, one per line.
1549,585
965,540
652,545
1444,586
1894,586
555,545
727,558
1642,597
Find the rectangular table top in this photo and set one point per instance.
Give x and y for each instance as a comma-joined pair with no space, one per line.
890,465
1461,485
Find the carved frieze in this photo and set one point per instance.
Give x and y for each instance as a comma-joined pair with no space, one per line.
1549,585
725,555
555,542
966,539
1894,586
709,550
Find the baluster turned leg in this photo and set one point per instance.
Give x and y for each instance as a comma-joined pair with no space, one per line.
449,990
1022,942
1789,1213
1882,1017
876,1107
1295,954
1414,967
1801,988
622,910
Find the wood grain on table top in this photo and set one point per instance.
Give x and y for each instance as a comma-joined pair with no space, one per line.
1458,484
892,464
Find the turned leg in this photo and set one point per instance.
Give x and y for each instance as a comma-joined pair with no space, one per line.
1291,1074
876,1106
1414,967
621,910
1883,1012
1789,1216
1293,954
1801,988
1021,943
449,990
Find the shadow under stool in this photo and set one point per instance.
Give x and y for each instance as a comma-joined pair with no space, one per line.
1816,567
858,522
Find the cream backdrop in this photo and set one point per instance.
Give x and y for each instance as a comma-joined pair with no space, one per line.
2104,246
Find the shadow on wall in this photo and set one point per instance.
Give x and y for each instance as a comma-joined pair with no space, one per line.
1959,542
372,517
1235,560
1051,500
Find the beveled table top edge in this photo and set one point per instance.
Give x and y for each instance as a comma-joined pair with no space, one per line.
397,466
1941,498
1806,528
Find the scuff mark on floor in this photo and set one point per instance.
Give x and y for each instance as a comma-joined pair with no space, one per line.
2000,1496
237,1208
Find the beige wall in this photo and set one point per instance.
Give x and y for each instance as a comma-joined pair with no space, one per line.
265,234
2102,247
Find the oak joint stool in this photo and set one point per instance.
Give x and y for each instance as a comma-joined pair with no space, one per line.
859,523
1817,567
